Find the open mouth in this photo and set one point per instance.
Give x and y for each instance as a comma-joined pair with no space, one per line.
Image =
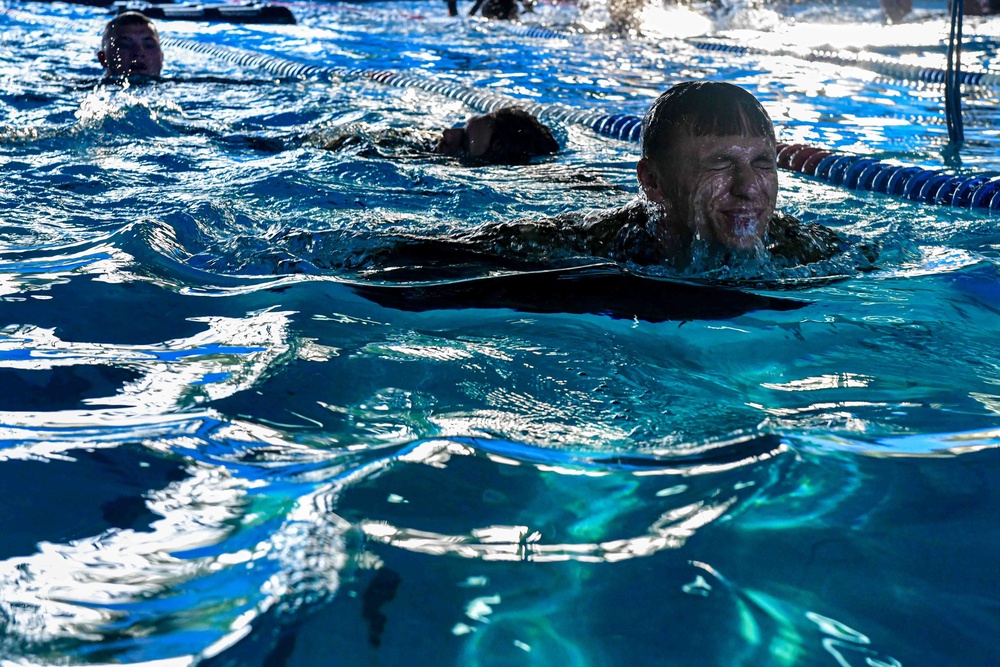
742,214
742,227
743,220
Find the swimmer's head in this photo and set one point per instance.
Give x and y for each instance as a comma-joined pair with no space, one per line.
709,159
506,136
700,109
130,45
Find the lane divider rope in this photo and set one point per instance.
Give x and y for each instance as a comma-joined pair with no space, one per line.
888,68
881,66
851,171
521,30
857,172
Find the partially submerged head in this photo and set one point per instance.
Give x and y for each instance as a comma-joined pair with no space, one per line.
708,158
509,135
130,45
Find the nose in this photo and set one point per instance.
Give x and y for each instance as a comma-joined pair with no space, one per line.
745,180
129,57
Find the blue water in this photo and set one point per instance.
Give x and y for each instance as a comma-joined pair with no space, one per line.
214,450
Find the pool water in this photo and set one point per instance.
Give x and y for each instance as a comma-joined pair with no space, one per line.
216,450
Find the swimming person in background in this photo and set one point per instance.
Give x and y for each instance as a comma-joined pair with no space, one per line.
708,191
509,135
130,45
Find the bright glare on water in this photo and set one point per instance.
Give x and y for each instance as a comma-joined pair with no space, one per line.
218,449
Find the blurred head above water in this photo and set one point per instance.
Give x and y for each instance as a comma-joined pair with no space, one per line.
506,136
130,45
709,162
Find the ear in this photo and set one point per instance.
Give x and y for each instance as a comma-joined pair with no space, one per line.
102,58
648,180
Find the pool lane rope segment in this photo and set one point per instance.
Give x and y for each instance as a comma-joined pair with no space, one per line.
521,30
851,171
857,172
619,126
881,66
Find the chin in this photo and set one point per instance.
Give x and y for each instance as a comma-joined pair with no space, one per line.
749,243
742,234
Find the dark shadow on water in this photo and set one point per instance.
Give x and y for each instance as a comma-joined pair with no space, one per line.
60,388
600,289
64,500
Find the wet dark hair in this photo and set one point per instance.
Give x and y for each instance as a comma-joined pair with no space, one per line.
124,19
517,136
702,108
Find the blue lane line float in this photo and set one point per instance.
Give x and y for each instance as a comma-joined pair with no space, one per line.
719,46
857,172
824,166
278,66
854,171
899,179
520,30
619,126
975,192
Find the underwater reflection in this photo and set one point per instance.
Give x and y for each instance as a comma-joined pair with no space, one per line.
549,505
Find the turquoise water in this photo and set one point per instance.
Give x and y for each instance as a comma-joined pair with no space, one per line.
214,449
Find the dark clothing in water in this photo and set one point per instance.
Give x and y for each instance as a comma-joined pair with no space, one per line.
622,234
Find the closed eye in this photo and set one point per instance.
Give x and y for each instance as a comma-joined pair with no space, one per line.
721,164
